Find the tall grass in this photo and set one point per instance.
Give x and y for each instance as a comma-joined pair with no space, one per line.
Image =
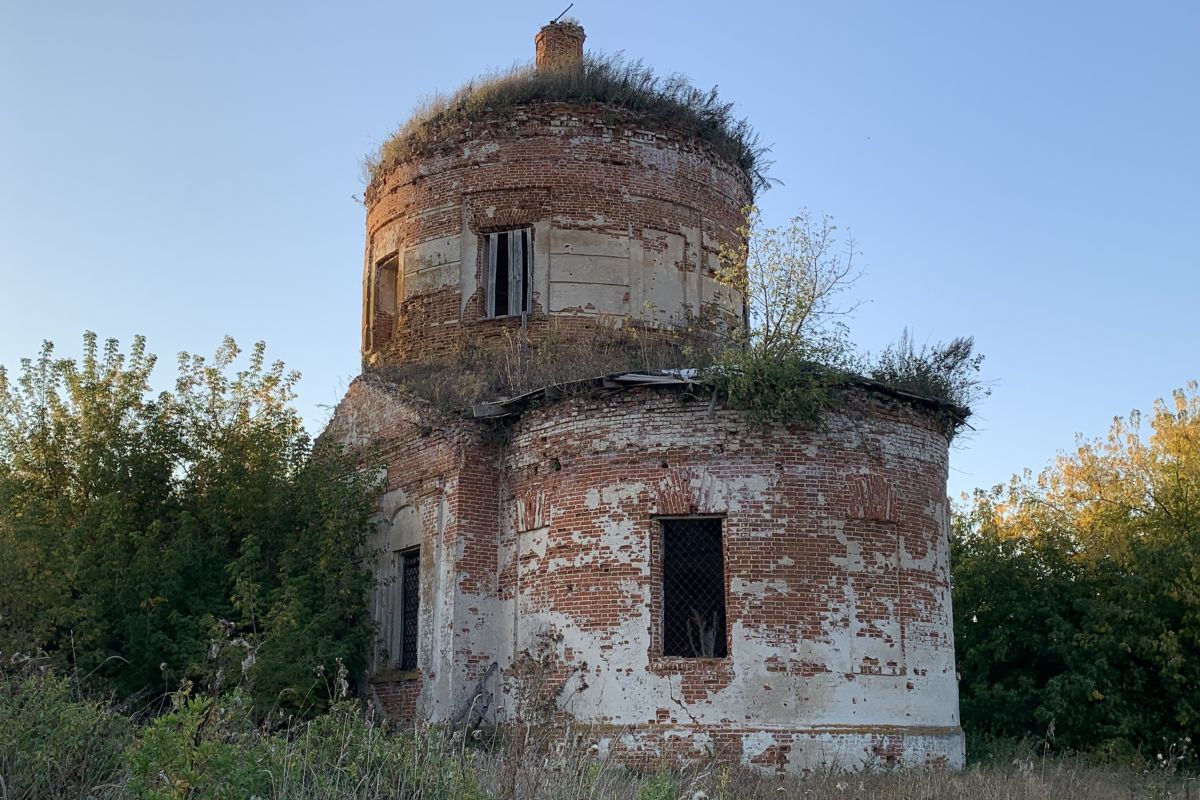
669,101
946,371
55,744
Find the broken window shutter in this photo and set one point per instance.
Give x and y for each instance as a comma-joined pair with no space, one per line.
492,241
516,258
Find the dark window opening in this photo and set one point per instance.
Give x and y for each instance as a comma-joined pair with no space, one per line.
383,321
508,268
410,600
693,588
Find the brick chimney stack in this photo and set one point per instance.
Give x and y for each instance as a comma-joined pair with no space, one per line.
559,46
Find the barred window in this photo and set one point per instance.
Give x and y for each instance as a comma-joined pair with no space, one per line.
405,605
693,588
409,606
508,256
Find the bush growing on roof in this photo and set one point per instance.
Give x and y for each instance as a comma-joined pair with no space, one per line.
948,372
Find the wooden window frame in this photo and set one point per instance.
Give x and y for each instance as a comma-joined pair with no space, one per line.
518,284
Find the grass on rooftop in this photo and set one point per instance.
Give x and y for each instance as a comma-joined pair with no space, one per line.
670,101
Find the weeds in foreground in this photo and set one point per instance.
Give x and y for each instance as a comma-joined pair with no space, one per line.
54,744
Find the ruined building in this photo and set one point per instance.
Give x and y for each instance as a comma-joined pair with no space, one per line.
670,575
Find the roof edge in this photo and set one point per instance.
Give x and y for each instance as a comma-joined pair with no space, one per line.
514,406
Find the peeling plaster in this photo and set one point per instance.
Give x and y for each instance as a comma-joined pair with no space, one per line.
869,661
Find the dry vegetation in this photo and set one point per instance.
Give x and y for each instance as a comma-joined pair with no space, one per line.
513,365
54,744
770,387
670,102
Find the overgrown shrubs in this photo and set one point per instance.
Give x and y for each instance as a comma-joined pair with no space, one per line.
514,364
784,363
787,386
54,744
1077,596
210,747
783,386
774,388
948,372
137,528
202,747
207,747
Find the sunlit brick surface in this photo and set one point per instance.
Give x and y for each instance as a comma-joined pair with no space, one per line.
546,530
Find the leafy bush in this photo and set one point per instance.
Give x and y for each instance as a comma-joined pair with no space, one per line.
1077,596
773,388
133,526
947,372
201,748
661,785
609,80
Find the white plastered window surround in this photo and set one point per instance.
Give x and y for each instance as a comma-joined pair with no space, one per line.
398,609
397,592
508,261
408,568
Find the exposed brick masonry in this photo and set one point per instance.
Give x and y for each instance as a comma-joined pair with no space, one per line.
541,532
559,45
836,559
586,168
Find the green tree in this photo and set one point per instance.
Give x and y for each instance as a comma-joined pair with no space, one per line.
138,528
1102,552
786,359
793,278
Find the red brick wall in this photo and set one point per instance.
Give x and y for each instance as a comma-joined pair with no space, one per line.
559,45
443,466
568,164
399,700
836,558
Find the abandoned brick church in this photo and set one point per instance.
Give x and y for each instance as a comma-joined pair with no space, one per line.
691,582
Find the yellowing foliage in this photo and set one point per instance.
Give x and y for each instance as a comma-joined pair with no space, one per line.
1085,584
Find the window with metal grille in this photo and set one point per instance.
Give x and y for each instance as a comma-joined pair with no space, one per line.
410,600
508,255
693,588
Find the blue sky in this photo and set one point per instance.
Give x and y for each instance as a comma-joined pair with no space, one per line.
1027,173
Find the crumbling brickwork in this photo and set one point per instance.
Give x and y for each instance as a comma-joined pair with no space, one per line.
675,577
627,221
836,562
559,45
836,571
